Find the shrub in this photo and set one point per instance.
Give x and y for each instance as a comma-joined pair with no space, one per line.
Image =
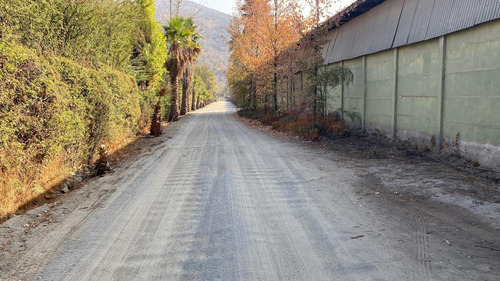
333,127
53,115
251,114
307,132
269,119
69,72
302,128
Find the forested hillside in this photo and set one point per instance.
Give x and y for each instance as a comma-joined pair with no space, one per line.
212,26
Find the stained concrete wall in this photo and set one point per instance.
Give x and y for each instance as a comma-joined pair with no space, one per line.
432,93
472,84
379,90
418,91
353,93
472,91
333,95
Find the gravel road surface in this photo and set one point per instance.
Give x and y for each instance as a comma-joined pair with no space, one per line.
222,201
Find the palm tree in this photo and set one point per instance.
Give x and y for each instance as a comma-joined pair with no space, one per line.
193,50
182,40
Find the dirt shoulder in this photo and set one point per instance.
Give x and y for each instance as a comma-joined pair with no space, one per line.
407,174
31,239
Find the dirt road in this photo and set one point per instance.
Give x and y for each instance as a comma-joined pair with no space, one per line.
222,201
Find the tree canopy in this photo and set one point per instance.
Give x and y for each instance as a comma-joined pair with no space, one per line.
269,47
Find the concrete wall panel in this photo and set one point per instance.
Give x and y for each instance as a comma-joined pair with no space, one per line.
353,93
334,95
472,85
379,90
418,88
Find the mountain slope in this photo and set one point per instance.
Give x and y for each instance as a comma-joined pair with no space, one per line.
212,26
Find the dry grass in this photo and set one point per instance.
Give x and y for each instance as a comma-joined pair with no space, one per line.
28,187
334,127
299,125
302,128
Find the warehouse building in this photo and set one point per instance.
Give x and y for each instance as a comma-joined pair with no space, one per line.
427,71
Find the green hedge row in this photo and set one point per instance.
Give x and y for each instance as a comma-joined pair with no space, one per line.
54,113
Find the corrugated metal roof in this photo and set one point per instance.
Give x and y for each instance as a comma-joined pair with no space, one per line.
328,44
363,28
378,29
396,23
439,22
491,11
393,19
421,21
344,42
405,22
329,52
463,14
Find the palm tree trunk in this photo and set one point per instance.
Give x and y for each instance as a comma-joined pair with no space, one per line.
174,107
185,93
193,101
186,87
155,129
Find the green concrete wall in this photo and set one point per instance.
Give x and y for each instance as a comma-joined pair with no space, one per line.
334,95
353,93
379,90
431,91
472,85
419,88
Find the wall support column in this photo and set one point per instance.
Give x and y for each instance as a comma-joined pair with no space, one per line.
440,109
363,96
395,94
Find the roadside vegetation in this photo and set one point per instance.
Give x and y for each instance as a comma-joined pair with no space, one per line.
271,42
77,75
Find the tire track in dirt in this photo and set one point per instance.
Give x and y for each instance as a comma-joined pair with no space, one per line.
422,244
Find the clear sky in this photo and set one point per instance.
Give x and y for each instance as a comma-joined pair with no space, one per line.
227,6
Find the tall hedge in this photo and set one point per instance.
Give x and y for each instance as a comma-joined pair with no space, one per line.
53,114
75,74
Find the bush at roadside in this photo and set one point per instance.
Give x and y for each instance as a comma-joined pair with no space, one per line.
54,113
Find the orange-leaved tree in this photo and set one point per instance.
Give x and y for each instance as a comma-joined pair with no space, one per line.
259,32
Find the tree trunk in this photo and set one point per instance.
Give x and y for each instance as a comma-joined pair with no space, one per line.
185,92
275,88
254,93
193,101
316,66
315,100
265,104
197,102
155,129
174,107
